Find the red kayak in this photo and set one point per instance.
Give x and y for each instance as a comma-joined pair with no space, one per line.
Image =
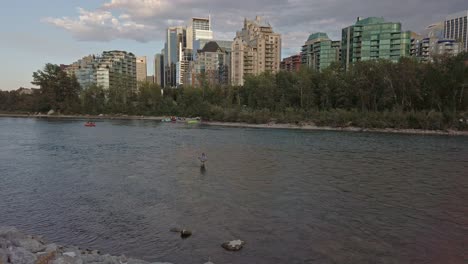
90,124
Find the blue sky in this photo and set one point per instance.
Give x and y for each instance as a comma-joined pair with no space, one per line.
35,32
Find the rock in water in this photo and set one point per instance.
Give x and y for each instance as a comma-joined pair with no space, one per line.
51,112
185,233
234,245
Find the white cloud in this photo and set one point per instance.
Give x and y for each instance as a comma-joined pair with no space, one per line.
101,25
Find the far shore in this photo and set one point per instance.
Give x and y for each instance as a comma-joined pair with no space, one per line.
87,117
305,126
346,129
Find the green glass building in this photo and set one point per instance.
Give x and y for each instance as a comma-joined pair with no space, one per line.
319,51
373,38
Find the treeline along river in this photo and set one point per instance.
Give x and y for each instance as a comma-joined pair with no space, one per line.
293,196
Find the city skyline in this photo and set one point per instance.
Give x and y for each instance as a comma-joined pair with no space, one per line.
61,32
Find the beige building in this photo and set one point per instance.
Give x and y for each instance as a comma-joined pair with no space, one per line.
256,49
141,68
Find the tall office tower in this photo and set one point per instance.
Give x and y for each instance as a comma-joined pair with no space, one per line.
374,38
256,49
159,69
174,48
456,28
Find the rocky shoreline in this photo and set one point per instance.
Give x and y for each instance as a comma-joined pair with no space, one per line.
19,248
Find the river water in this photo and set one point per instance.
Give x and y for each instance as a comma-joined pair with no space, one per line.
293,196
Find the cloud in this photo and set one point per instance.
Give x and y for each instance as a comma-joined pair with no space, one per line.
145,20
101,25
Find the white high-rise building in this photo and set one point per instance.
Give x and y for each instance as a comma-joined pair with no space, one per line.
456,28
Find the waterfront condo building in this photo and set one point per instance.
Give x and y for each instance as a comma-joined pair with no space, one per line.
374,38
116,68
110,69
142,68
256,49
456,28
211,66
319,51
291,63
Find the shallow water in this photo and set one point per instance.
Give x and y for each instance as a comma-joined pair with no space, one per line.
293,196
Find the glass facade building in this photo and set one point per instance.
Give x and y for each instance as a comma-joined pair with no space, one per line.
373,38
319,51
456,28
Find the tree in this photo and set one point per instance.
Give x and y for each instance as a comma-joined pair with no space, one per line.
58,90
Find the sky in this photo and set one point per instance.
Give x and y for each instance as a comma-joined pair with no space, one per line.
36,32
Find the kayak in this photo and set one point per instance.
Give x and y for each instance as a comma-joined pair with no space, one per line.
90,125
193,122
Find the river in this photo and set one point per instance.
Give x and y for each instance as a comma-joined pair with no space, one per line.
293,196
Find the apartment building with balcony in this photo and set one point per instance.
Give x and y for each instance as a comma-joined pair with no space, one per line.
319,51
256,49
374,38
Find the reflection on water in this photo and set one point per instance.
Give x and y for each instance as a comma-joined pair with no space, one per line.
293,196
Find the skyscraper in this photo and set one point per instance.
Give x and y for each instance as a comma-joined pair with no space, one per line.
256,49
159,69
141,68
374,38
456,28
176,43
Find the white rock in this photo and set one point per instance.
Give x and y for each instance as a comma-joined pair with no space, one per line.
51,112
234,245
70,254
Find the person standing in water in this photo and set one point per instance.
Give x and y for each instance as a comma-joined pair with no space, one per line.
203,158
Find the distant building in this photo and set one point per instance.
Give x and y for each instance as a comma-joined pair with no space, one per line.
456,28
107,70
373,38
117,68
431,43
174,48
141,68
319,51
159,69
212,65
27,91
291,64
200,44
256,49
150,79
199,29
